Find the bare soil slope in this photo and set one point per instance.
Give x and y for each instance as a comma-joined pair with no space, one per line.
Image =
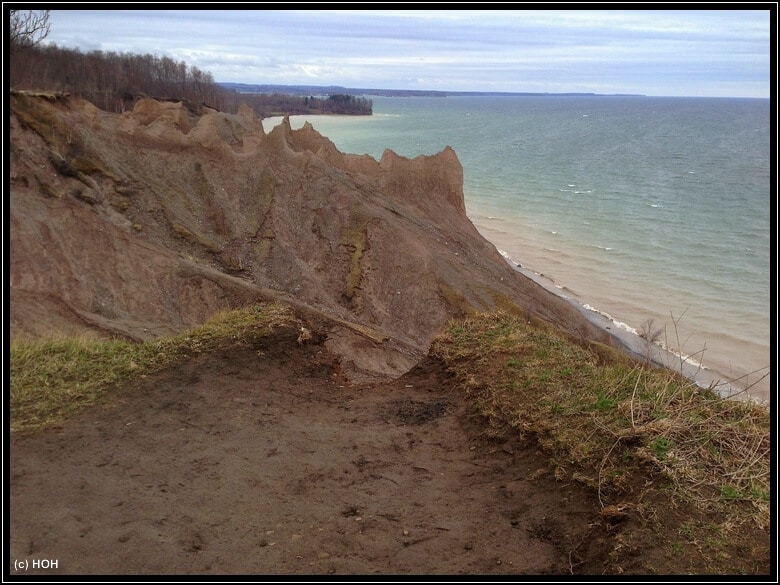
263,461
148,222
353,456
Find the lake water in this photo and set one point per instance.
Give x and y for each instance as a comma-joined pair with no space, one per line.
636,207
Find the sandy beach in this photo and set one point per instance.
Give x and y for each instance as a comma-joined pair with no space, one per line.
639,347
729,351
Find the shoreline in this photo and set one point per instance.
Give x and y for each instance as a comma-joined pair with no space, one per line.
706,376
752,380
640,348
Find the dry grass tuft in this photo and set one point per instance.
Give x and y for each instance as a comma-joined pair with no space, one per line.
53,378
632,424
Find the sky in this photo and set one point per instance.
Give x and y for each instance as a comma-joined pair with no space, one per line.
717,53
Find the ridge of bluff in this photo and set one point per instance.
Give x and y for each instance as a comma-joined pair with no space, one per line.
148,222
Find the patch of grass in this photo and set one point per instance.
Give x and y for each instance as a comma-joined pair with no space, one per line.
660,447
556,408
604,402
635,425
729,492
51,379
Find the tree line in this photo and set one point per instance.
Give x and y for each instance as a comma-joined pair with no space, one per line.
114,81
111,81
273,104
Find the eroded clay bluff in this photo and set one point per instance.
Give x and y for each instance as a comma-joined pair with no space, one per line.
146,223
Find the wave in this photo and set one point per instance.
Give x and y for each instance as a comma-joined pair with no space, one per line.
677,352
688,359
619,324
663,257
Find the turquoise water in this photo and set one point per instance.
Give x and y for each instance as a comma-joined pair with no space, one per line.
640,208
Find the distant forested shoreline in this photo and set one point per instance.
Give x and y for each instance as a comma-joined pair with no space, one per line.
114,81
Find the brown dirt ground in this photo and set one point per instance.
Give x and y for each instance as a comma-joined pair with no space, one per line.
264,461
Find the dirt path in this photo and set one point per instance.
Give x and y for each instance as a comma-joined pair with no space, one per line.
261,461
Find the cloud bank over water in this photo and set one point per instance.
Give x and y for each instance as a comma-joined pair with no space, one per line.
653,52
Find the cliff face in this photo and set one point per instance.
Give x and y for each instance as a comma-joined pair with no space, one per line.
147,222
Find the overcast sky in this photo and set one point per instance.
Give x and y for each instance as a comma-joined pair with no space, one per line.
652,52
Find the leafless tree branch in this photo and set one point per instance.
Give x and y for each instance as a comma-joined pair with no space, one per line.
27,28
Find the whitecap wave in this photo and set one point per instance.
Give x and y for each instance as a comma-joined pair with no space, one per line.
688,359
618,324
624,326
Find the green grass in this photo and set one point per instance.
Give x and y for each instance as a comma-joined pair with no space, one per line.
53,378
643,439
600,414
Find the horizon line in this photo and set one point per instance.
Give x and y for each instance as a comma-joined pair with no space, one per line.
455,93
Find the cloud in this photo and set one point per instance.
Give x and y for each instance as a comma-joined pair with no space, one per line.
483,50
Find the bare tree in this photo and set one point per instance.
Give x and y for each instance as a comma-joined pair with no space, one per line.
27,28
